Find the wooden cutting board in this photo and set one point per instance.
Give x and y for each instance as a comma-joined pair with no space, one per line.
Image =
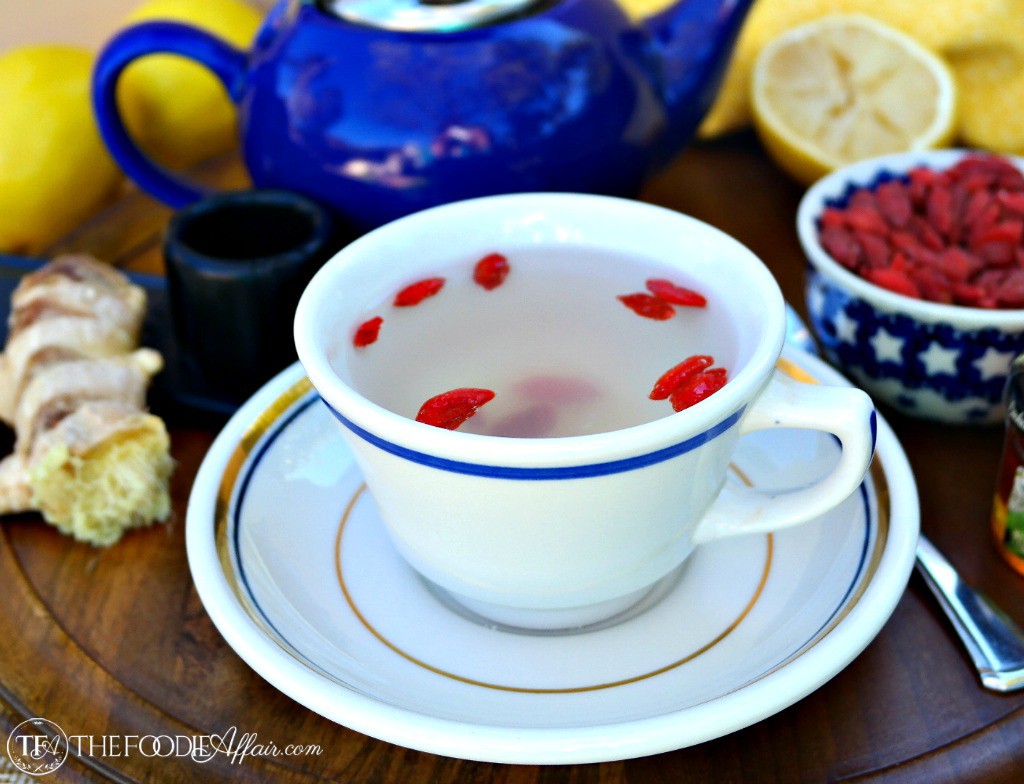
115,642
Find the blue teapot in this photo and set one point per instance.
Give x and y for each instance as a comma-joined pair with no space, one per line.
380,108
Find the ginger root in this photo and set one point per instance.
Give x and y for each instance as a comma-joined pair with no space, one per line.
73,386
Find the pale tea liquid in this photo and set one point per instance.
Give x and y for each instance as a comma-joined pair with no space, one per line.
562,354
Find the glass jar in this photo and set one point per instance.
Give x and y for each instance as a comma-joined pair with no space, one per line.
1008,505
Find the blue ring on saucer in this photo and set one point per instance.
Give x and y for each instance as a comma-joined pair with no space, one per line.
542,474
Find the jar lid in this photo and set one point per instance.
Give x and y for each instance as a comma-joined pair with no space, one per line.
437,16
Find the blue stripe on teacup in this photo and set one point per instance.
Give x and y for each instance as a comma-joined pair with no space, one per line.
874,430
557,472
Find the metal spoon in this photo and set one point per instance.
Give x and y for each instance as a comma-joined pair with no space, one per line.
995,643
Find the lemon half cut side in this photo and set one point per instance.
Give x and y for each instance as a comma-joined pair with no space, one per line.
847,87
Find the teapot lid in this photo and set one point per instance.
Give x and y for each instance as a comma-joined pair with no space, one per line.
437,16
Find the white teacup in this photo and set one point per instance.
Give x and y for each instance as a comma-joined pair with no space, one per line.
562,532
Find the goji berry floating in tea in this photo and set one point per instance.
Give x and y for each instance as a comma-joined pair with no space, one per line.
675,376
676,295
491,271
648,306
415,293
954,236
698,388
367,332
450,409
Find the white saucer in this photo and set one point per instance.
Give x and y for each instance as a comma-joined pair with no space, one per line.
292,563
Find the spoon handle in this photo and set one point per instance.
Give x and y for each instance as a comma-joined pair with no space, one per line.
995,643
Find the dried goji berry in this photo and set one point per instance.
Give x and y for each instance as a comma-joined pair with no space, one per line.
1011,180
893,280
877,252
1012,201
957,264
917,190
983,221
929,237
931,283
841,246
894,203
920,181
996,254
1011,293
992,166
648,306
698,388
990,279
978,182
990,282
832,217
863,198
996,244
904,241
1009,231
939,209
958,198
866,220
682,372
967,294
900,263
976,204
367,332
491,271
415,293
919,254
451,409
677,295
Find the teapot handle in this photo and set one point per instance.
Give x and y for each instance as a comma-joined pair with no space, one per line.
227,63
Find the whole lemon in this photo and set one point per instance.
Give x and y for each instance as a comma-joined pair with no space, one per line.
175,109
54,169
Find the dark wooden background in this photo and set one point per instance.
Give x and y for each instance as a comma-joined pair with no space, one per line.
116,641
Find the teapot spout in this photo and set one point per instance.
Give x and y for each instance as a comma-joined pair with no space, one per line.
690,43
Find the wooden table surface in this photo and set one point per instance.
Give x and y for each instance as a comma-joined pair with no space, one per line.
116,641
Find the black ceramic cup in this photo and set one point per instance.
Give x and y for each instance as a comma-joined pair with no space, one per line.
236,264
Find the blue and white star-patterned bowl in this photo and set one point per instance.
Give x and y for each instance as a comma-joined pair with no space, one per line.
942,362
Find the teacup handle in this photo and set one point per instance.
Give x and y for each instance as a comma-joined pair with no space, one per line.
845,412
227,63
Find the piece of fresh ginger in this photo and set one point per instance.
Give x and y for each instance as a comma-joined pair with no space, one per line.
87,455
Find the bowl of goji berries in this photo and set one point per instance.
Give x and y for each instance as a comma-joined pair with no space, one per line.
915,282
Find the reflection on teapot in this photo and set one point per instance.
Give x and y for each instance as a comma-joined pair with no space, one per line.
380,108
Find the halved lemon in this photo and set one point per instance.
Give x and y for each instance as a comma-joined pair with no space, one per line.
847,87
